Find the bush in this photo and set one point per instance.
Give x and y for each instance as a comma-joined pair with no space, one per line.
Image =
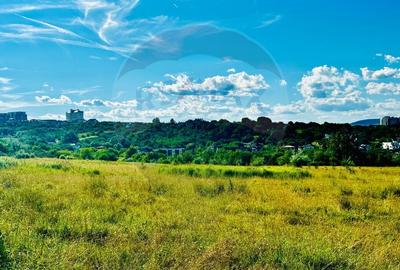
4,259
300,160
209,190
345,203
86,153
107,155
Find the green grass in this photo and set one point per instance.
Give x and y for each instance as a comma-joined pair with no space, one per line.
97,215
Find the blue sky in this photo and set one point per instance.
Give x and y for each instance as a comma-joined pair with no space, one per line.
311,60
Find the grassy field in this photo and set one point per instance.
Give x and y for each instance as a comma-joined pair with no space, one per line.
93,215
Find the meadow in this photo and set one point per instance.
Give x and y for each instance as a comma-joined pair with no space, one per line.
59,214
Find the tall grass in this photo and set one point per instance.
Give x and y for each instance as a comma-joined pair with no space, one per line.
6,162
231,172
96,215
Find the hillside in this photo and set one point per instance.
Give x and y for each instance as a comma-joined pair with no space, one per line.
260,142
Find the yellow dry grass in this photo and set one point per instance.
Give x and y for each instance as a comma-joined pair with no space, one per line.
97,215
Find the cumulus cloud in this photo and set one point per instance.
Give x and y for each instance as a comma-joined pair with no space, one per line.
283,83
106,103
388,105
390,59
65,100
292,108
186,107
235,84
62,100
374,88
330,89
385,73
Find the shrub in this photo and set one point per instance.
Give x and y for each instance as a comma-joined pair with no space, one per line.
346,192
207,190
390,191
300,160
297,218
345,203
56,166
107,155
4,259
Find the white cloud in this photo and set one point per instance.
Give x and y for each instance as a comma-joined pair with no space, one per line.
6,85
385,73
231,70
388,105
65,100
51,116
82,91
283,83
374,88
5,80
269,21
325,81
390,59
62,100
292,108
186,107
106,103
235,84
330,89
12,9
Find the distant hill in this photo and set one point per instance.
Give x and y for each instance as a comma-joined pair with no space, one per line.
367,122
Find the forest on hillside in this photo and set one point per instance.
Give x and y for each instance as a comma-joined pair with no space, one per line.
249,142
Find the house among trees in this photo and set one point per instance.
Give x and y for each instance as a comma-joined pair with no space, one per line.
173,151
75,116
392,146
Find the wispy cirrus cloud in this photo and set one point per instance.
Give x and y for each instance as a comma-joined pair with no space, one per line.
108,20
270,20
21,8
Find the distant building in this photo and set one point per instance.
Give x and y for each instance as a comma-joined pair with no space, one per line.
75,116
173,151
390,121
13,117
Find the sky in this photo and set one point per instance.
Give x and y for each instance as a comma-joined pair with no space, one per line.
134,60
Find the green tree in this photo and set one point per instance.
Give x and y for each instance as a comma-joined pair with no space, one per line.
107,155
70,137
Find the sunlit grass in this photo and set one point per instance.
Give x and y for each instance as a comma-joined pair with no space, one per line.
86,215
